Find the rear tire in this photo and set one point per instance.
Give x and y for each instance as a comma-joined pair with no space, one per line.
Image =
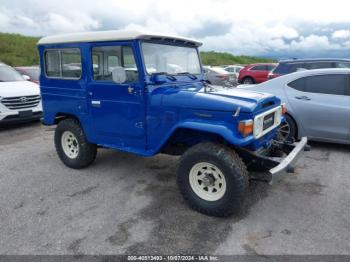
248,81
212,179
72,146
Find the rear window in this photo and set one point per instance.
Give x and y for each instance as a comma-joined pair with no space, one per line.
63,63
286,68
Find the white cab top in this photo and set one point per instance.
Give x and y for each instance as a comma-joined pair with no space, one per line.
116,35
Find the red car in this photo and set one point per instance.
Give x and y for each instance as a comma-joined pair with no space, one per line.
255,73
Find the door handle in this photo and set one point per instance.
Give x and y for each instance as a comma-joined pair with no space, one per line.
130,90
96,103
303,98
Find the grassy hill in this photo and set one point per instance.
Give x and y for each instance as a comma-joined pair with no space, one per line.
17,50
217,58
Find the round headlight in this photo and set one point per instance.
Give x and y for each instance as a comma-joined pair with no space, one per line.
258,126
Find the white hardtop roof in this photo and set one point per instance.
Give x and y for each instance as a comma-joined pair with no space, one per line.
116,35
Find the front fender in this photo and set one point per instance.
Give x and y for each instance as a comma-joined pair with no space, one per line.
218,128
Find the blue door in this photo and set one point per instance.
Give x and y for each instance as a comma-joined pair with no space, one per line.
117,110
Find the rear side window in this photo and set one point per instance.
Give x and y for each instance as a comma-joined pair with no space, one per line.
270,67
319,65
63,63
298,84
322,84
326,84
342,65
259,68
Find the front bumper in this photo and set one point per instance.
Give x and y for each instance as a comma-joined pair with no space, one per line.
286,164
274,168
18,118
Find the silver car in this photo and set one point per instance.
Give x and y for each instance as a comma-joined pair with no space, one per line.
218,76
234,69
318,103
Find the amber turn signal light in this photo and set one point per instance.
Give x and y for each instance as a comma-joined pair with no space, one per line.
245,127
284,109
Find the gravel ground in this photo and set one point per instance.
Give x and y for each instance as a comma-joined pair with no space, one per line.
126,204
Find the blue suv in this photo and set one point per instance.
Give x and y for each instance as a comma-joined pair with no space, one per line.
145,94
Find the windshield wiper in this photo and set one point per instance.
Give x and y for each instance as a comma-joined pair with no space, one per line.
169,76
192,76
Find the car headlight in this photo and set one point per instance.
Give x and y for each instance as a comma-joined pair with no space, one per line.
258,126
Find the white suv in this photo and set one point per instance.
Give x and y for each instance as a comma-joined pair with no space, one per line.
19,99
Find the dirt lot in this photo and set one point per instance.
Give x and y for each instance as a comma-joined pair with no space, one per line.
125,204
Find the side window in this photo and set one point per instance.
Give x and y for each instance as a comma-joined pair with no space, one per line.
71,63
259,68
63,63
112,62
326,84
270,67
320,65
298,84
342,65
298,67
106,58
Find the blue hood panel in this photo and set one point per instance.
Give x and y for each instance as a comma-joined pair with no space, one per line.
222,99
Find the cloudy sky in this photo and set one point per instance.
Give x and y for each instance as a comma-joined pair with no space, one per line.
269,28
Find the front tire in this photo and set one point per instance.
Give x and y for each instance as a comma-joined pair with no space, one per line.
72,146
288,130
212,179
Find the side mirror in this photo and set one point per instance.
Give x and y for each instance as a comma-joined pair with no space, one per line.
27,78
119,75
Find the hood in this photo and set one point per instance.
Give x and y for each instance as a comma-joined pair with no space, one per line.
222,99
18,88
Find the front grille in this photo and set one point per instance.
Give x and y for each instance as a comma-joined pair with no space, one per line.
20,102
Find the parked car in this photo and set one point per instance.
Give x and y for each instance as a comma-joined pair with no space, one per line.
233,69
30,73
318,104
19,99
255,73
294,65
219,76
219,132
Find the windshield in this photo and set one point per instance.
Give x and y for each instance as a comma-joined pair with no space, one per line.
8,74
160,58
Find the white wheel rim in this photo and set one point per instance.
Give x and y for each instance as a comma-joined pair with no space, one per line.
207,181
70,144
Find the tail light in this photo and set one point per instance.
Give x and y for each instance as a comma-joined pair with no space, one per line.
245,127
272,76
